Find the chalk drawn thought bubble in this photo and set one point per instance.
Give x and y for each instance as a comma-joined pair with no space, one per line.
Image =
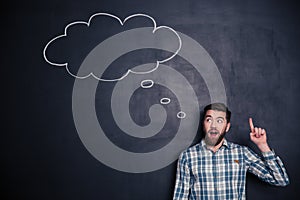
94,65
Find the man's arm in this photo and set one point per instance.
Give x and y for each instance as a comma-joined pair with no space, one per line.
182,185
271,168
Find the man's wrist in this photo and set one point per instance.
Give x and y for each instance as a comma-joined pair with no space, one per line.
264,148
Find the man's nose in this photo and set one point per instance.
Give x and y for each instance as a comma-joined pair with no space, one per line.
212,125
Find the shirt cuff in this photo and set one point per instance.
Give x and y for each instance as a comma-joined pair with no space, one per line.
270,155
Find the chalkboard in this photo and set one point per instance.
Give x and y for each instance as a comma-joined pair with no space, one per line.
102,96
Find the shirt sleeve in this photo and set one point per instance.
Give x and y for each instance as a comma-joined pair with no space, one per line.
182,185
269,168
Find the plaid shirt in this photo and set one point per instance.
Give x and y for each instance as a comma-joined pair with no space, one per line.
202,174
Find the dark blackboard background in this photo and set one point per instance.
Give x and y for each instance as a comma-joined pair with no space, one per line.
254,44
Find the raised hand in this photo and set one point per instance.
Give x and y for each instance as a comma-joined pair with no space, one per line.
259,137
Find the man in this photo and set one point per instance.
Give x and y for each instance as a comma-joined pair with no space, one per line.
216,168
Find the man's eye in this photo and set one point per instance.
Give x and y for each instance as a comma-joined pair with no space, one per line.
220,121
208,120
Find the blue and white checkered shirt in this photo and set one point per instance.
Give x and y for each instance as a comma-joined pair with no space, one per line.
202,174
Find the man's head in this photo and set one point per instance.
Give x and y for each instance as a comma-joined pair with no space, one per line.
216,123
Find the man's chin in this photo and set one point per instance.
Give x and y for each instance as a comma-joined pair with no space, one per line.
214,140
211,142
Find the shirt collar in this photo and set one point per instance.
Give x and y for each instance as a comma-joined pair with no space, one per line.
225,143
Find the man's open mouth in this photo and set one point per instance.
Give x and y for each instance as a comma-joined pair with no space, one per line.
214,132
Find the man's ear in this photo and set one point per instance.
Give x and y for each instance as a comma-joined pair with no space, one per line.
227,127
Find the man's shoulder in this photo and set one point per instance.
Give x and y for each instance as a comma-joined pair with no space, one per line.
192,149
190,153
195,147
232,145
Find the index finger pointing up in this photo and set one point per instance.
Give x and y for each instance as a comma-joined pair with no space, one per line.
251,125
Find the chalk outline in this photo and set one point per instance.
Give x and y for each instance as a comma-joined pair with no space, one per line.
155,28
147,86
165,101
181,113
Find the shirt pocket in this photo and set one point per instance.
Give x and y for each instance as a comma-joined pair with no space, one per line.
234,168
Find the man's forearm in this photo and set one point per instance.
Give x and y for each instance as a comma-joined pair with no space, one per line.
264,147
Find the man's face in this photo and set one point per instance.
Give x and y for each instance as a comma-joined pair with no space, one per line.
215,126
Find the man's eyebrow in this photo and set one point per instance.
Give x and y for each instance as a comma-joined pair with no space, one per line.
206,116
